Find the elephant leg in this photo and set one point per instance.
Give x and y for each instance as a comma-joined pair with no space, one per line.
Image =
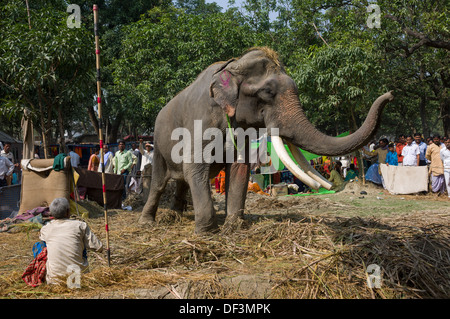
236,185
205,214
157,187
179,201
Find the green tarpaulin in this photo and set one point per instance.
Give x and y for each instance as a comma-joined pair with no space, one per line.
276,162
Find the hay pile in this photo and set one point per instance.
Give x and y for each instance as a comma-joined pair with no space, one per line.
310,257
266,256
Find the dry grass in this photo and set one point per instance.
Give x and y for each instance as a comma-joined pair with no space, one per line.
274,256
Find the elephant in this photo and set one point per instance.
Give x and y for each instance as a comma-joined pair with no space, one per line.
252,91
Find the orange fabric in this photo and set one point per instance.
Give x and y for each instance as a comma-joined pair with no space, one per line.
221,177
398,148
94,161
254,187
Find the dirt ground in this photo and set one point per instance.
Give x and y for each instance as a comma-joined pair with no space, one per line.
316,246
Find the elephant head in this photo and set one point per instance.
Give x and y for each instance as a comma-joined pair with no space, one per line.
256,92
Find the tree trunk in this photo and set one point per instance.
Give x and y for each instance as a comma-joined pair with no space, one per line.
115,127
423,115
445,103
43,131
93,118
423,105
62,141
445,114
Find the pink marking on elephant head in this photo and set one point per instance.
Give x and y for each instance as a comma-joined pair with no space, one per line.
225,78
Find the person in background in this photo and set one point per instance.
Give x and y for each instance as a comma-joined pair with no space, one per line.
136,152
66,239
411,153
108,157
391,156
436,170
368,159
336,176
422,148
74,157
345,165
445,157
36,153
94,160
6,152
351,173
221,177
399,148
123,160
147,154
6,170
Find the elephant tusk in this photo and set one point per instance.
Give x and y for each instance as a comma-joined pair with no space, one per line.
306,166
278,145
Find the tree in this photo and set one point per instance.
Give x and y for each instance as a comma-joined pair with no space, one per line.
165,51
46,67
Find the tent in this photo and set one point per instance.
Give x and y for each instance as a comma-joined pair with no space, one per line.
277,165
92,181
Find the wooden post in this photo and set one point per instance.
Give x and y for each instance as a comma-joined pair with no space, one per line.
100,129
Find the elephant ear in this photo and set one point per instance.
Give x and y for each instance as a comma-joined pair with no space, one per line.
224,89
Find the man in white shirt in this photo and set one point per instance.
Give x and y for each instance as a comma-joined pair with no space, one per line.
147,154
6,170
74,157
108,157
445,157
66,239
6,152
411,153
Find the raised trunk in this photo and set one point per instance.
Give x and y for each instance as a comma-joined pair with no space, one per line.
298,130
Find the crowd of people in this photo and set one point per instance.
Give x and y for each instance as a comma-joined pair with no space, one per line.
128,163
411,150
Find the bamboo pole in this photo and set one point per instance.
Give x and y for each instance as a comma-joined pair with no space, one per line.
100,128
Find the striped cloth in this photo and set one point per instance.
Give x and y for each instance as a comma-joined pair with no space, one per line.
35,273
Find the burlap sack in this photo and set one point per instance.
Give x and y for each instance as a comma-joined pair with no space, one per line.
41,184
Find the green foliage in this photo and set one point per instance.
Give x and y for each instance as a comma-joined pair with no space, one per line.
166,50
43,67
339,81
152,49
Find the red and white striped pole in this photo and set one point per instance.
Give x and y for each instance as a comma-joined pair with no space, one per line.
100,128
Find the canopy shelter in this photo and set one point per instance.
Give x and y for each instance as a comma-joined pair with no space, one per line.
277,165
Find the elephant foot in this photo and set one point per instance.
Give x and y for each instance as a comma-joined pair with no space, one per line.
233,223
207,229
146,220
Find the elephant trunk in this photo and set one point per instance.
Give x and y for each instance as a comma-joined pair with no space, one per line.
298,130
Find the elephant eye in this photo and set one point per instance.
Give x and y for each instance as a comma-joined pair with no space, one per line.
266,93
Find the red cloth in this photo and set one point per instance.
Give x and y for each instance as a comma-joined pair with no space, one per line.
399,147
35,273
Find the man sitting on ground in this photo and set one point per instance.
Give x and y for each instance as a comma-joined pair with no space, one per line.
66,240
